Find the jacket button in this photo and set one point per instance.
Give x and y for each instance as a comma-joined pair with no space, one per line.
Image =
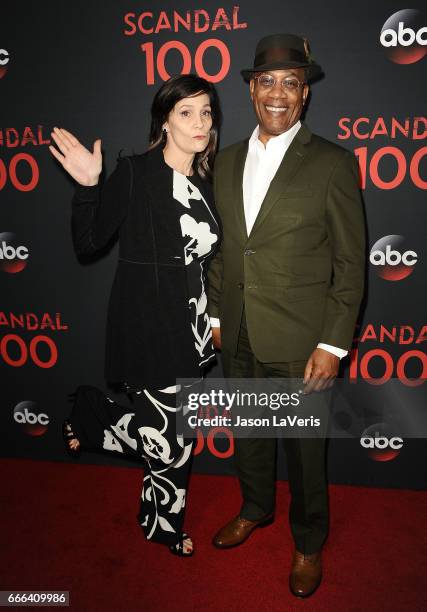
240,285
249,252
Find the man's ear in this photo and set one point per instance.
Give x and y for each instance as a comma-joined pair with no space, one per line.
252,88
305,93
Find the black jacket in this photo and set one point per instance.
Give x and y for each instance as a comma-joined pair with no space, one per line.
149,339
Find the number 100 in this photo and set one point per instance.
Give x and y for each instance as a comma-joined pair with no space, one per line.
148,49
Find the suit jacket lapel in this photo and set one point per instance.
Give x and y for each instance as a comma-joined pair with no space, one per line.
239,166
289,166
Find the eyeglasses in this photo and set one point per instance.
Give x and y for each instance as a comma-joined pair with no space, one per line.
290,84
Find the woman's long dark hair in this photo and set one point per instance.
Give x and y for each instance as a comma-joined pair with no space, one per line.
171,92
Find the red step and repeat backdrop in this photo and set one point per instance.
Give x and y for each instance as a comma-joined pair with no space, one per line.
93,68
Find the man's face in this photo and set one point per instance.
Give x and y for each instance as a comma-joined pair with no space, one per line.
277,109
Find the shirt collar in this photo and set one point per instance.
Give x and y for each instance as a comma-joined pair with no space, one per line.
276,141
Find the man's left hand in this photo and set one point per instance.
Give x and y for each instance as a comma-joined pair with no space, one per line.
320,371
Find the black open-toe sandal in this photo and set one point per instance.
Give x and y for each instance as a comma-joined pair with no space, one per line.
68,435
178,548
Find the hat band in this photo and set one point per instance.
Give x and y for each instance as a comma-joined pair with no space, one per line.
279,54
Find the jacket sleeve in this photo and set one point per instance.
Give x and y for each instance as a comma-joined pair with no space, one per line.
346,233
215,272
98,212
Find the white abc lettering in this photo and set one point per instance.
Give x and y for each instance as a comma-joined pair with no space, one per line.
381,442
4,57
407,260
404,36
22,252
392,257
377,258
388,38
9,252
396,443
31,418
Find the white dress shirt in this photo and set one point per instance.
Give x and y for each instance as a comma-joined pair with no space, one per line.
262,163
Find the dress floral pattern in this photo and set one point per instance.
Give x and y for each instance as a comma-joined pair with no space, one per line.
200,232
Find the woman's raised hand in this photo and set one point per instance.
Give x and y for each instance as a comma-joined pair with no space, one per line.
84,166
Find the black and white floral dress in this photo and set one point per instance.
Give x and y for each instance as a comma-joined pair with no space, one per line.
148,429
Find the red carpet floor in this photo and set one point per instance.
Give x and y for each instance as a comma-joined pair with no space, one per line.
72,527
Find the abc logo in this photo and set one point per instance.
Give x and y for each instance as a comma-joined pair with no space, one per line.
381,442
4,60
404,37
391,260
7,251
27,414
13,256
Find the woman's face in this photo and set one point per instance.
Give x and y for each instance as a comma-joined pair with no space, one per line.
189,123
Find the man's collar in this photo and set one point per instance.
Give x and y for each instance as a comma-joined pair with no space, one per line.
275,140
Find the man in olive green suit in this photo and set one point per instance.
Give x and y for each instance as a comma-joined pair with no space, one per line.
286,285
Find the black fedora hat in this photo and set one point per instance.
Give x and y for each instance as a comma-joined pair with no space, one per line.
281,51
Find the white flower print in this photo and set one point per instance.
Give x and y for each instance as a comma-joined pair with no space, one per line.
155,445
201,238
183,190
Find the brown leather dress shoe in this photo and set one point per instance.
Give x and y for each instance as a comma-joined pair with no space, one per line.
306,573
238,530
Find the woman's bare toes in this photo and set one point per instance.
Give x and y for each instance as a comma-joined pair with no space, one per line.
188,545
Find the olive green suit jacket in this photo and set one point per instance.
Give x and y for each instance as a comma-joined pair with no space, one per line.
299,274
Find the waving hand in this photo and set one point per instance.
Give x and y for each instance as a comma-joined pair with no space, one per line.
84,166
